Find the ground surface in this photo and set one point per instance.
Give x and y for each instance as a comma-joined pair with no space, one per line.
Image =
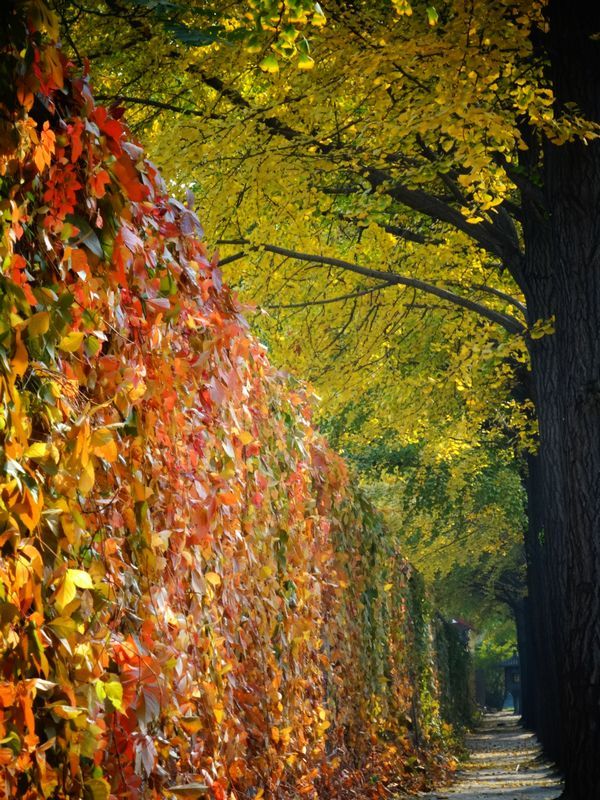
504,763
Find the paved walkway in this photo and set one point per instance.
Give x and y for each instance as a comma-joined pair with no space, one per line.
504,763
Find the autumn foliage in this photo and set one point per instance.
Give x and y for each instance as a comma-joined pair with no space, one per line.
192,594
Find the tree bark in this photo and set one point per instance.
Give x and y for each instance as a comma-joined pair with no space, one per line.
543,709
519,609
561,278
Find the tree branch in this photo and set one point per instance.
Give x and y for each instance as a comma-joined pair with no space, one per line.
411,236
144,101
339,299
231,259
484,233
506,321
481,287
399,231
508,298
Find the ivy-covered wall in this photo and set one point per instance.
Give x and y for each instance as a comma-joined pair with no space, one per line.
194,598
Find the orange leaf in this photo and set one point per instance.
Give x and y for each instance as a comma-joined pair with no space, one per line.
27,706
20,360
34,506
130,179
8,693
99,182
79,261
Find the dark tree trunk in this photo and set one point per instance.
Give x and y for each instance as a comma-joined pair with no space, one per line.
543,710
524,643
561,278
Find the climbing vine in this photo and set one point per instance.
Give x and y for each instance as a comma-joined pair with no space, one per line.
193,597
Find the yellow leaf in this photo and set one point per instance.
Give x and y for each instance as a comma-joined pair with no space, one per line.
191,724
86,479
140,492
104,445
305,62
65,593
63,627
39,450
47,19
318,17
34,503
113,690
98,789
213,578
71,342
542,327
269,64
39,324
66,712
81,578
66,590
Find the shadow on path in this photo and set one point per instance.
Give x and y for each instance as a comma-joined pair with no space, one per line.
504,763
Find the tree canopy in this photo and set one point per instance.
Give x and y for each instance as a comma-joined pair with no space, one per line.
301,170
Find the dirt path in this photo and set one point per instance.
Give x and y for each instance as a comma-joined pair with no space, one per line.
504,764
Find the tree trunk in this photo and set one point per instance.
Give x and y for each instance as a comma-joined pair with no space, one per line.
562,279
543,710
567,570
519,609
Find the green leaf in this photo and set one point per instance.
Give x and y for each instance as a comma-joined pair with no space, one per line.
269,64
92,345
432,15
12,741
87,236
194,37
